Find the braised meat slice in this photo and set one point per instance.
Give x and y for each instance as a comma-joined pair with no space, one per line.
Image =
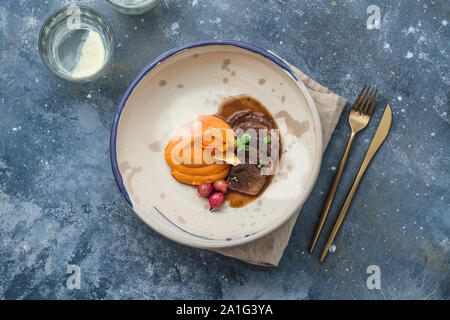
246,178
251,123
248,119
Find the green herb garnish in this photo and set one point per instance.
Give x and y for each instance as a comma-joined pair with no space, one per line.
267,140
260,164
242,142
240,145
245,138
234,179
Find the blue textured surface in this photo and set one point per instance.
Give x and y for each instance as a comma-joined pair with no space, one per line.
59,203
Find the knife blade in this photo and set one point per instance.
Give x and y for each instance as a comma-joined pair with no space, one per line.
380,135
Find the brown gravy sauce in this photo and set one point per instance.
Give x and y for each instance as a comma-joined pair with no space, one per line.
235,104
238,200
227,109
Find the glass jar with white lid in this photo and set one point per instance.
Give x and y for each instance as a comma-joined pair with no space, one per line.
133,7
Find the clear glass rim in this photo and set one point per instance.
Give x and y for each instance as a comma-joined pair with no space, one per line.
138,6
57,72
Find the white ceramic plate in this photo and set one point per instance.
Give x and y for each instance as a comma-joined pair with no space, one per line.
190,81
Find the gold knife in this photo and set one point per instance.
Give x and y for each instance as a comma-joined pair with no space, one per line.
380,136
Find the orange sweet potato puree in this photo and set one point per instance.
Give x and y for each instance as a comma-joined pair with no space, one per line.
193,136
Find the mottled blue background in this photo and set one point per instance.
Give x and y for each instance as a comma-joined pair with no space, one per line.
59,203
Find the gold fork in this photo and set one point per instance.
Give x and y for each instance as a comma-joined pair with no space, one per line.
358,119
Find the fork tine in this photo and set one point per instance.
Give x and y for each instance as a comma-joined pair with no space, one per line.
355,106
373,103
363,101
364,109
359,97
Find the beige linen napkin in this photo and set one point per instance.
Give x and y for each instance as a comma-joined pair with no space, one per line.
268,250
